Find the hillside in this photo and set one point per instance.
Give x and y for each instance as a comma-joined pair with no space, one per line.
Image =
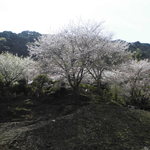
16,43
142,48
91,127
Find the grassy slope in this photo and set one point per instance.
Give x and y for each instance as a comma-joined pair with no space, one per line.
93,127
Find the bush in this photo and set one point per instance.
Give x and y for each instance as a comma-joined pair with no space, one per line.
41,85
87,89
117,95
20,87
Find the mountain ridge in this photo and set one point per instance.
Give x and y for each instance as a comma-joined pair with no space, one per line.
16,43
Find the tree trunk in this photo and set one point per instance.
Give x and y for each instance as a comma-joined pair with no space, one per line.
76,94
99,88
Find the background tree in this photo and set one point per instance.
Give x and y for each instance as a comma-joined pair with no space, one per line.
106,56
14,68
140,48
133,78
137,54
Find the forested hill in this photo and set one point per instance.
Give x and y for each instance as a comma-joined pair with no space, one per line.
16,43
142,48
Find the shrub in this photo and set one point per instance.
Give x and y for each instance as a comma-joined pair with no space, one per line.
20,87
41,85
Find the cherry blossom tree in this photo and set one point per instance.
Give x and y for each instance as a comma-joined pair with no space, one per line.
79,50
66,54
134,79
14,68
107,55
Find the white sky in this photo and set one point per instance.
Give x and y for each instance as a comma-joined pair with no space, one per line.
128,19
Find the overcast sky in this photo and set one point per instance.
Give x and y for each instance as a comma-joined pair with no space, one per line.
128,19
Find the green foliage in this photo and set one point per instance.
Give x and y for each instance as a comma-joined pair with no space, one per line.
116,96
20,87
41,85
87,88
96,95
137,54
144,49
140,100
